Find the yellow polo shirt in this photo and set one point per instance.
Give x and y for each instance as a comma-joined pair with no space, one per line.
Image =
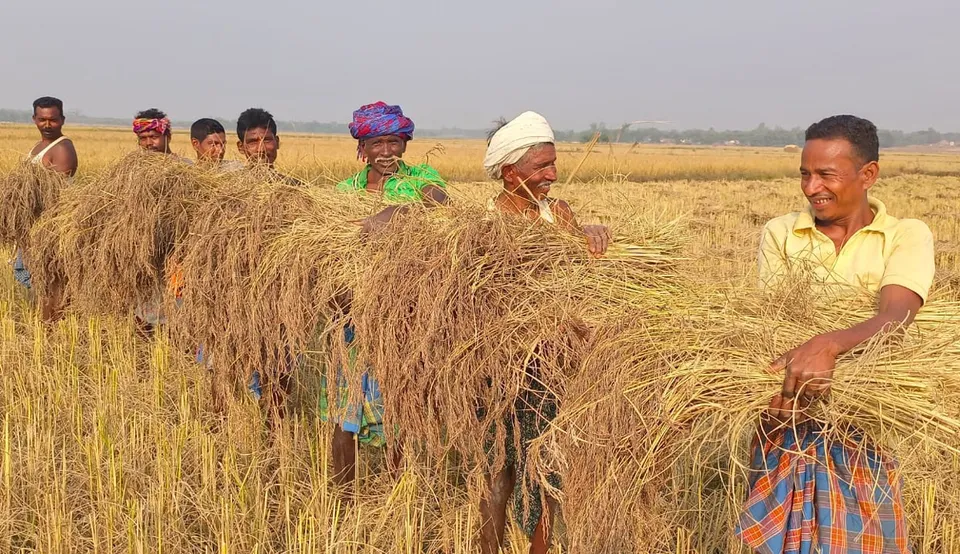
889,251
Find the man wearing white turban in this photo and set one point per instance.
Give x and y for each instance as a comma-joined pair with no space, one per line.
521,153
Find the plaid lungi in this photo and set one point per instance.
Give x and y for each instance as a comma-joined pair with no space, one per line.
364,419
20,271
813,495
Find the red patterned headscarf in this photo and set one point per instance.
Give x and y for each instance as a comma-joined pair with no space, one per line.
144,124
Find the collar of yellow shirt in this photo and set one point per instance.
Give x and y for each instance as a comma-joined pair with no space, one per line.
882,223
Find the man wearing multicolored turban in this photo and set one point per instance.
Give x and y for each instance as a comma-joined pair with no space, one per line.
152,128
382,133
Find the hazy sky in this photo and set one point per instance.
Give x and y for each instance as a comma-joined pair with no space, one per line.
698,63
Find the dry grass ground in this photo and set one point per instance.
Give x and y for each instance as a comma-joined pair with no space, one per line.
107,442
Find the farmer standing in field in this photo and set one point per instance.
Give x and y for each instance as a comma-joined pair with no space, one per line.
209,139
522,154
808,493
154,134
258,141
153,131
382,132
56,152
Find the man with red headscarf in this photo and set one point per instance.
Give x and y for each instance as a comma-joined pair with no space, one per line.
152,128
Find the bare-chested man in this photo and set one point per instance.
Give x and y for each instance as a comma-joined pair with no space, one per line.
522,154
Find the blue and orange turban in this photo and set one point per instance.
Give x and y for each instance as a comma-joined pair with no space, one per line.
380,119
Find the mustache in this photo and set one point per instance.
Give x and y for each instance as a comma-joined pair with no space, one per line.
386,160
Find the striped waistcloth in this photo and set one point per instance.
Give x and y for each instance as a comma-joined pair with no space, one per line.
813,495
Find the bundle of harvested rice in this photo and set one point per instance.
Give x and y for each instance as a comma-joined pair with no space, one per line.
671,420
261,264
466,317
615,450
25,192
108,238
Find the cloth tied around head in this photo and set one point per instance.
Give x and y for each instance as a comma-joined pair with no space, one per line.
380,119
144,124
513,140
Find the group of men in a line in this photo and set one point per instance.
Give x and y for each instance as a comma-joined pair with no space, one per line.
807,493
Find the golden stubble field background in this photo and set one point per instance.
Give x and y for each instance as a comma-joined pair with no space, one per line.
107,442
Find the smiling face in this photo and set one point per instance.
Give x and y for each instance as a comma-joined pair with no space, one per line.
834,178
384,153
259,146
533,175
49,122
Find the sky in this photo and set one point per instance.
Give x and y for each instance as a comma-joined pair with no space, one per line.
696,63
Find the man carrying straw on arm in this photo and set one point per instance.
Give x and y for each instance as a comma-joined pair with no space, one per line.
382,132
809,493
521,153
259,143
209,139
154,132
55,152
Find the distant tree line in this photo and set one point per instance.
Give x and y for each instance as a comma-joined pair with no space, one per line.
760,136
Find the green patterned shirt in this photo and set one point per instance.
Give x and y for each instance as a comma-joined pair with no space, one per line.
406,185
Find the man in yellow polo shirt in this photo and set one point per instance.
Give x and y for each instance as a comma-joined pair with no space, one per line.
808,493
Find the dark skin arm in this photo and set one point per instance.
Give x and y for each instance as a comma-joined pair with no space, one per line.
598,236
63,158
808,369
432,196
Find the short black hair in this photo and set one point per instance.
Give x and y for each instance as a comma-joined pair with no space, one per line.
48,102
859,132
152,113
204,127
255,118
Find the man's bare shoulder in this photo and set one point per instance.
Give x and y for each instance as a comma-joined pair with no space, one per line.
66,143
563,211
66,146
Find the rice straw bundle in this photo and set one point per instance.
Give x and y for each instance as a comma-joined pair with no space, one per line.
261,263
615,449
25,192
108,238
681,395
458,311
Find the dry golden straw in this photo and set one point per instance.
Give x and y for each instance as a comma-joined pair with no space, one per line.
25,192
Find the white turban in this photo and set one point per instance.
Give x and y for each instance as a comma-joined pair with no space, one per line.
514,139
